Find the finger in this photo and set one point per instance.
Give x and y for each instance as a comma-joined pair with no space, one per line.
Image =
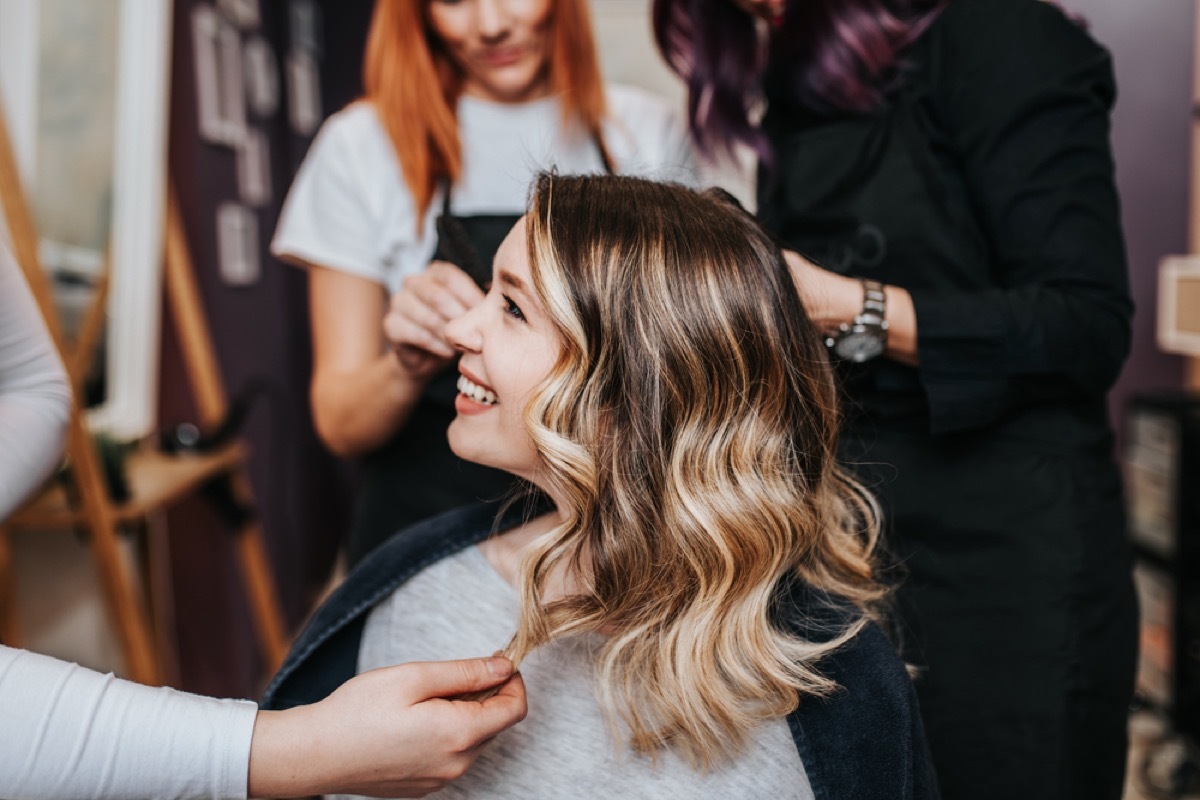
425,307
501,712
458,283
402,333
430,290
448,678
420,363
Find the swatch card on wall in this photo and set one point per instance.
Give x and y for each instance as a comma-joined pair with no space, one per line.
241,85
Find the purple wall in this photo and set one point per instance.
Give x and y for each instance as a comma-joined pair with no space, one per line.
260,332
1151,43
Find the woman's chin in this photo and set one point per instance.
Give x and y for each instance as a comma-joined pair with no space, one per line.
459,443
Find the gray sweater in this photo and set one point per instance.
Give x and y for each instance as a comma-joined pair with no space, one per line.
461,607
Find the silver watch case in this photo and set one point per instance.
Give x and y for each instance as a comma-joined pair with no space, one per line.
866,337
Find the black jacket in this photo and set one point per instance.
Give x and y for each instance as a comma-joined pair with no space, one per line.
865,742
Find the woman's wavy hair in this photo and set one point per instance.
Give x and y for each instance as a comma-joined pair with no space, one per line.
828,55
414,85
689,426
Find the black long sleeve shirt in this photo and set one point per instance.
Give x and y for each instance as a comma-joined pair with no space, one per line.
985,187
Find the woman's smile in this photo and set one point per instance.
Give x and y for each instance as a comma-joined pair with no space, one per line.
473,397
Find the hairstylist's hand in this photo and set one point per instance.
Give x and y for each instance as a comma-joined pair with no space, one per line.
830,299
417,317
384,733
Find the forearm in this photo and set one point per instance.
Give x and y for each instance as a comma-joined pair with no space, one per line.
356,412
385,733
70,732
282,752
833,300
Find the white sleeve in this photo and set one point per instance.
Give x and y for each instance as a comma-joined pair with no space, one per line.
35,397
334,210
70,732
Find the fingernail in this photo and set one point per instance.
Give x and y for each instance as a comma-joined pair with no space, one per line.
499,667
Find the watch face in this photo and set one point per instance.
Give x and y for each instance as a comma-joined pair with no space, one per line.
859,346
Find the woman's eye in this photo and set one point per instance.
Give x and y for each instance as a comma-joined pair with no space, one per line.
512,308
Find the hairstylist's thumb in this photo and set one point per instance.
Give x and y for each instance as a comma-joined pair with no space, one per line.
431,679
479,719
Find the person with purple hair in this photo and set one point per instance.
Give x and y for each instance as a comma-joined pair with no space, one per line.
941,171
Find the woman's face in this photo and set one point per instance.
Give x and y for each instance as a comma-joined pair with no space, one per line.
769,10
502,46
509,346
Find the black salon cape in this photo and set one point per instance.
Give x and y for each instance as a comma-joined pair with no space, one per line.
863,742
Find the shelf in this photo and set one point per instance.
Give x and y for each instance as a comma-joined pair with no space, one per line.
156,481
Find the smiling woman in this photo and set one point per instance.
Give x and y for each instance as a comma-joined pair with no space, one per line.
403,201
692,583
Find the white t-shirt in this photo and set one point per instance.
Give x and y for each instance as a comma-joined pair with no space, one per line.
349,208
69,732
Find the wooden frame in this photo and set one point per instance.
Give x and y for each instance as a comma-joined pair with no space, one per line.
1179,305
81,498
1192,368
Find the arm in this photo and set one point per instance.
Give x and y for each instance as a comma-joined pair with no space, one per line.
1029,128
350,221
1030,121
70,732
832,299
360,392
74,733
364,388
35,397
381,735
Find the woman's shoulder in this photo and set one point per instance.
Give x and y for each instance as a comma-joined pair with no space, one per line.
638,107
625,98
984,60
982,31
648,134
986,15
865,739
354,143
352,128
819,616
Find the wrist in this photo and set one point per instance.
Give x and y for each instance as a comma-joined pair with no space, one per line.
864,334
279,762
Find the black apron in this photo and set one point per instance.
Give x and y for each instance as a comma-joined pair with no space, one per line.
415,475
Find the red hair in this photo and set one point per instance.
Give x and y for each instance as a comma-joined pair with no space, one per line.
415,86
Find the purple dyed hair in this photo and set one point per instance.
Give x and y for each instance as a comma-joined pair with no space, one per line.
834,55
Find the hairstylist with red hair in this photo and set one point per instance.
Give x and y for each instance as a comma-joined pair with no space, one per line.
402,202
943,170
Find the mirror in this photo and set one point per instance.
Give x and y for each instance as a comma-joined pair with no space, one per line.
84,92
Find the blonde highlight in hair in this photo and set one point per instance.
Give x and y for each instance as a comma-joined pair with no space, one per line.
414,86
688,430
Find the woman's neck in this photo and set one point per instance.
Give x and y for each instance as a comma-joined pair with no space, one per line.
506,551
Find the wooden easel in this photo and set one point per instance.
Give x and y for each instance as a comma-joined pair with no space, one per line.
81,499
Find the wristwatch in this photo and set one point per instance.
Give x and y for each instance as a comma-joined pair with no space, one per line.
866,337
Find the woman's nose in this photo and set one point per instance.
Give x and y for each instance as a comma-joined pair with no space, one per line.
462,332
494,19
